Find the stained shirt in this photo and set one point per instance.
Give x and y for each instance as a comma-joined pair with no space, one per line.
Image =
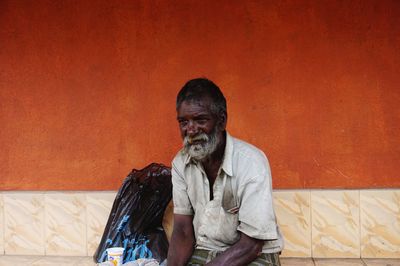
242,198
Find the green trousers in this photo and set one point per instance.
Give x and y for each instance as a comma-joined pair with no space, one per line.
201,257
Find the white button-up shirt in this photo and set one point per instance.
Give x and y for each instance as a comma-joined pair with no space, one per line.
242,198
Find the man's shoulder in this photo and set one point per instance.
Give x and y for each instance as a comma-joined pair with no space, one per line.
179,159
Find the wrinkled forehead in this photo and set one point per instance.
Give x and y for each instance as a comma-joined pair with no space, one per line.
192,107
204,102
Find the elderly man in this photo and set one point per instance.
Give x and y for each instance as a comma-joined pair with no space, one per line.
222,189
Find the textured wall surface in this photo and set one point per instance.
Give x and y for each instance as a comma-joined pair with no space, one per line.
87,89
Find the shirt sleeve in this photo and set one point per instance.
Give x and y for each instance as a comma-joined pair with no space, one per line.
256,211
180,196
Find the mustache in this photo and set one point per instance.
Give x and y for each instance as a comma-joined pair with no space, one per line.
199,137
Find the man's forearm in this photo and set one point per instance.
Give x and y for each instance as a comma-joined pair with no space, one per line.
180,249
242,253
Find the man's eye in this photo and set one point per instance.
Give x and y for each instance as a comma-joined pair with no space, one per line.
182,123
201,121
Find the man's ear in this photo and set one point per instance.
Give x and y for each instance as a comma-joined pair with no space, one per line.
223,118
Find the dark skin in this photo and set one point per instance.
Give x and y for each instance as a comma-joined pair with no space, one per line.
194,118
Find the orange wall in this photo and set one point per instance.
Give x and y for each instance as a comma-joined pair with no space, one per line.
87,88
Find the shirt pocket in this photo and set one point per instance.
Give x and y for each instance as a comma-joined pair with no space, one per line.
227,227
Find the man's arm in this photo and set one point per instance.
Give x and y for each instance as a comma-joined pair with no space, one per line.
182,240
246,250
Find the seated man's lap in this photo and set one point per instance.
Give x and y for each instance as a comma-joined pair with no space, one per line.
201,257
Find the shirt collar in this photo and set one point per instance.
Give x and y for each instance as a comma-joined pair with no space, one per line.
227,161
187,159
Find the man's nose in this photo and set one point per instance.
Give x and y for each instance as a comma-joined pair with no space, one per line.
192,129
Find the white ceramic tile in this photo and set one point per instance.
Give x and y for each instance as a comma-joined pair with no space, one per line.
297,262
338,262
65,219
380,223
335,224
293,213
18,260
1,225
46,261
23,223
59,261
98,210
86,261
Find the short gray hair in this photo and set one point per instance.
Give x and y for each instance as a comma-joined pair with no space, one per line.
200,88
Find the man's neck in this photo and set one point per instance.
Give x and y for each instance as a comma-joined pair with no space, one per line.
218,154
213,162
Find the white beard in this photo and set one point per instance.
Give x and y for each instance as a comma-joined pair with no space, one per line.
201,150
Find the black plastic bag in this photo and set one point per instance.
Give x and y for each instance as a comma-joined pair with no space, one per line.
135,221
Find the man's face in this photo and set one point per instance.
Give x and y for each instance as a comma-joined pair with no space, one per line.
201,130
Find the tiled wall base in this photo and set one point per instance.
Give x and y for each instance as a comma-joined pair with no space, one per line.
87,261
1,225
53,223
315,223
340,223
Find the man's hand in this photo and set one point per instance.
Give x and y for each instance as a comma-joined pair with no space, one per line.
182,240
245,251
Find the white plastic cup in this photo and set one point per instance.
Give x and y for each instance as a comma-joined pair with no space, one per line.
115,255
